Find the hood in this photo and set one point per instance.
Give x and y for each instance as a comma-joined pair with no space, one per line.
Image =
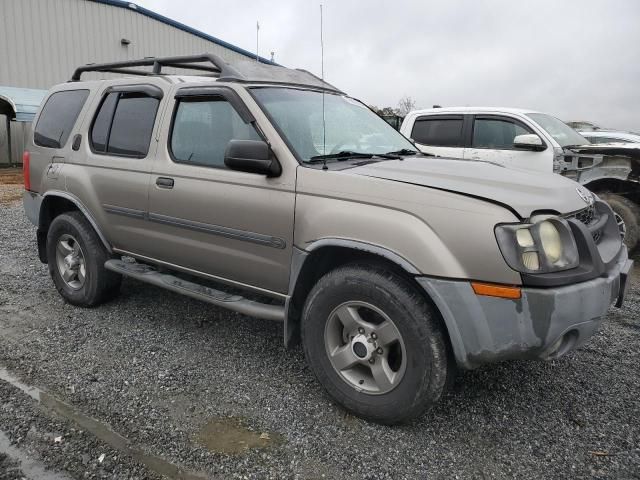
518,190
631,150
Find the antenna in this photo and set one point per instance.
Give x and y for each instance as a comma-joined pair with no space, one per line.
324,130
257,34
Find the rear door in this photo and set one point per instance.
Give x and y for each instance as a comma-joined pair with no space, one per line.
114,162
235,226
492,140
52,131
441,135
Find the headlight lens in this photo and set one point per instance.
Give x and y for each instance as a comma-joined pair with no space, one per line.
551,242
524,237
545,245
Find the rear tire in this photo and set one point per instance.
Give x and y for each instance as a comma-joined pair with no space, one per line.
629,212
76,258
394,325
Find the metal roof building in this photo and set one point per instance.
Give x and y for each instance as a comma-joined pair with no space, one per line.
43,41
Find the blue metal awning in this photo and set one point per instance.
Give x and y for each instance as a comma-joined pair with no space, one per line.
23,101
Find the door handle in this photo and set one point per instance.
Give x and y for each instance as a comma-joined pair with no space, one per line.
164,182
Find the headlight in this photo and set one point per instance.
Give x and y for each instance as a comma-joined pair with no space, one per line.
551,242
544,245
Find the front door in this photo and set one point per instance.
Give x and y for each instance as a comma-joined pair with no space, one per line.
232,225
492,140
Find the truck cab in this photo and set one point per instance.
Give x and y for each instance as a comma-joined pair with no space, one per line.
528,140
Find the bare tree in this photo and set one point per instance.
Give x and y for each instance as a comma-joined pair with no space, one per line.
405,105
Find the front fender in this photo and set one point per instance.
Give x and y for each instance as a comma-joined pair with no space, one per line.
435,233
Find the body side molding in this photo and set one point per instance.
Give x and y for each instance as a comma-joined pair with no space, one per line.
258,238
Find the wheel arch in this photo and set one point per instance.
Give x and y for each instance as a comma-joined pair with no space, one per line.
621,186
322,256
55,203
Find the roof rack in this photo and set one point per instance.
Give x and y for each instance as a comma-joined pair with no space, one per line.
212,65
206,62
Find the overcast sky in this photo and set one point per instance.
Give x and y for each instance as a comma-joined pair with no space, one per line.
576,59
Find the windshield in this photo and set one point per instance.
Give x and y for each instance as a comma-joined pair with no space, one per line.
560,131
349,125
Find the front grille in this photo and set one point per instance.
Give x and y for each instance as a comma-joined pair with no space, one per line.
588,217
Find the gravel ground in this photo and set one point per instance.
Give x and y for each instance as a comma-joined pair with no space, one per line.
217,394
9,468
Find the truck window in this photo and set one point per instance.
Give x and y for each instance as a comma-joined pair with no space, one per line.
443,132
202,130
58,117
123,124
496,133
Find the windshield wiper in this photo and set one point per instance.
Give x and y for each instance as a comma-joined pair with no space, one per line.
403,151
349,155
343,155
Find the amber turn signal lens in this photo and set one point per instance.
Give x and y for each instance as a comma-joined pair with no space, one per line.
493,290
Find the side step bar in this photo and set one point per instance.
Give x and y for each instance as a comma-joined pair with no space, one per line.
237,303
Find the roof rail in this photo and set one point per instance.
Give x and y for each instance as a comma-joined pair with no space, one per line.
207,62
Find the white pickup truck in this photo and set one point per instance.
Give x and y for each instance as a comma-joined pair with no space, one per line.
529,140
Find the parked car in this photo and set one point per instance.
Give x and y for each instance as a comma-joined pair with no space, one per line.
583,126
610,136
524,139
392,267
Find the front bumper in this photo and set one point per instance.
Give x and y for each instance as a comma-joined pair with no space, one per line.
544,323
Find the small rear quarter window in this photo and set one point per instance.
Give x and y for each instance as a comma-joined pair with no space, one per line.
58,117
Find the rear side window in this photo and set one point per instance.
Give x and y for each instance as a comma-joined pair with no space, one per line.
202,129
496,133
58,117
124,123
438,131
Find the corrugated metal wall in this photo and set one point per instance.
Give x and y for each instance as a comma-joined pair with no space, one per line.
42,41
20,132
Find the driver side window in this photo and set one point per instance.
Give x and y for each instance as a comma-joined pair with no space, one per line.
496,133
202,129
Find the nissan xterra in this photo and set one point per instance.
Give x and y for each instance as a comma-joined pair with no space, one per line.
270,192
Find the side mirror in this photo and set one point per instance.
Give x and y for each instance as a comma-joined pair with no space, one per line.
251,156
530,141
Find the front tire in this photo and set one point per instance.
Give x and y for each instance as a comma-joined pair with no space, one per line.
627,215
76,259
375,344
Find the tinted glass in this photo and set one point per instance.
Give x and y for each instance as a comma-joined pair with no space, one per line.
58,118
132,125
102,123
494,133
202,130
446,132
